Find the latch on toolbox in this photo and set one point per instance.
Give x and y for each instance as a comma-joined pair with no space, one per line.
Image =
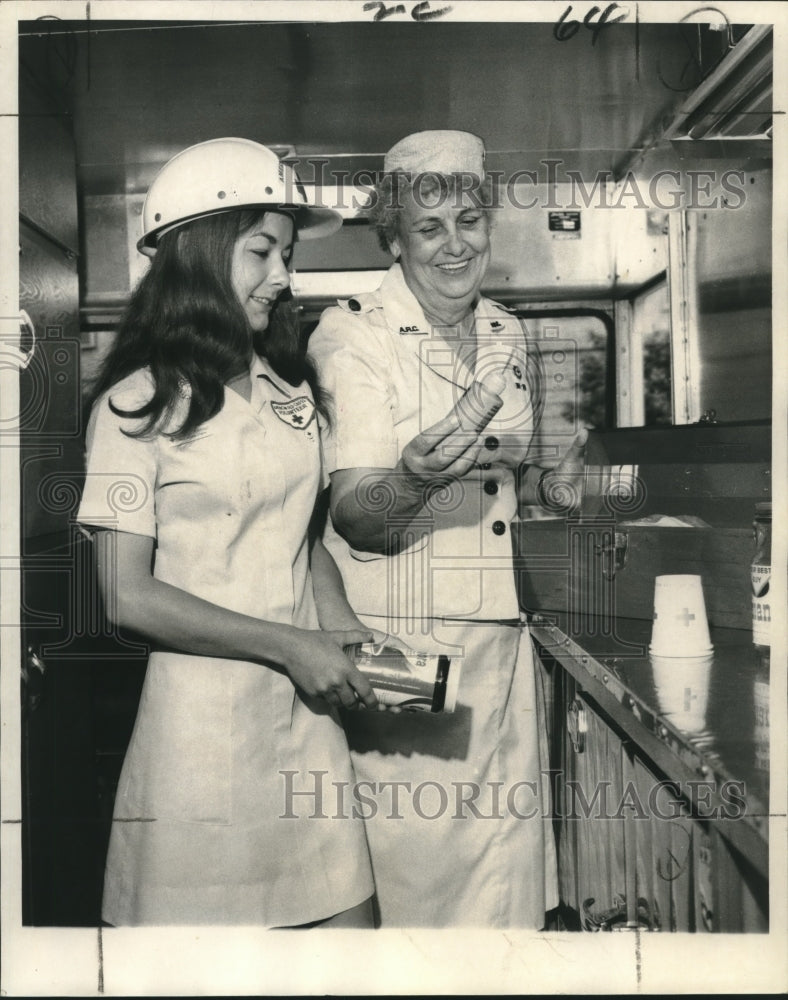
613,550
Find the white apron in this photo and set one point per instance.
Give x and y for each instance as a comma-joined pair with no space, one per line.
452,858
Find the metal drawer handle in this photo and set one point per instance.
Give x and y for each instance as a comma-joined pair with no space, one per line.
577,725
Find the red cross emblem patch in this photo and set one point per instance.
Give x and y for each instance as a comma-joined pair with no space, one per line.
299,413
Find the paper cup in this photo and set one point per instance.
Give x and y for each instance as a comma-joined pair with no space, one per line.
682,684
680,625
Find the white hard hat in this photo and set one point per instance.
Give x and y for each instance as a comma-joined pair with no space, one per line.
224,174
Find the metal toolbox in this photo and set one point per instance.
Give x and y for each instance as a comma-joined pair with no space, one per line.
598,567
603,563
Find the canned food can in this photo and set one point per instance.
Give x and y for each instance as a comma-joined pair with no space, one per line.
407,679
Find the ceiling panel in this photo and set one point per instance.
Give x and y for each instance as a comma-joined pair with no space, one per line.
140,92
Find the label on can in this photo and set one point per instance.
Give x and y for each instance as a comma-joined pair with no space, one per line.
761,604
409,680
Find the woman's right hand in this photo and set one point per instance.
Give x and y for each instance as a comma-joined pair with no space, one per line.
451,447
317,663
448,450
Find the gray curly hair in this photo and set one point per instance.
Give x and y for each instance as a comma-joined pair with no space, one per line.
384,211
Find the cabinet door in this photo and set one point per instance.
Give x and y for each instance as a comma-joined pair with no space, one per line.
591,839
632,851
47,157
79,704
688,875
50,419
664,853
730,896
63,842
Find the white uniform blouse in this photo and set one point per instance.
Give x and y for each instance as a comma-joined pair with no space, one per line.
392,376
227,506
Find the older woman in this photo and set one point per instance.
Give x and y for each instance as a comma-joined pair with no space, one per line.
423,489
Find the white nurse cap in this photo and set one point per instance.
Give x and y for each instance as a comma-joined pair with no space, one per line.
441,152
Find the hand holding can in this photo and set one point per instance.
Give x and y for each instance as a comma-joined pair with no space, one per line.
407,680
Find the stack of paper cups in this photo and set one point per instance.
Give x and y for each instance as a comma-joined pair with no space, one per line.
681,651
680,625
682,684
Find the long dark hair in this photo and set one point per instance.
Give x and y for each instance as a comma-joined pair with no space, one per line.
185,323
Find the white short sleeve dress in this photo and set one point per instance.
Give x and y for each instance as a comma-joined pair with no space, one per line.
457,805
210,825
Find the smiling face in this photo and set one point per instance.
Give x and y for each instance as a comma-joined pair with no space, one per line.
259,271
444,248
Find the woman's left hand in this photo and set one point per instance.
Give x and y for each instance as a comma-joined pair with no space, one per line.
564,486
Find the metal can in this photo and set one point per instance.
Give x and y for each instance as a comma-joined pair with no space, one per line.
760,572
407,679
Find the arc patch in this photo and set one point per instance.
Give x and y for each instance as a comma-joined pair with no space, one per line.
299,413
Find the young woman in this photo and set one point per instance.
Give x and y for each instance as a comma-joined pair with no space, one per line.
203,469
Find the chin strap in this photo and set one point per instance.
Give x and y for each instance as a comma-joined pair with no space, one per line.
14,352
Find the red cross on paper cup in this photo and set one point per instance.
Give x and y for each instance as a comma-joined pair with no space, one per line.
680,625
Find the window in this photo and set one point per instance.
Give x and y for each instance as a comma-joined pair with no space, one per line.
576,387
650,345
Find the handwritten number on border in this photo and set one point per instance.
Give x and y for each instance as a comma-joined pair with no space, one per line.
419,11
563,29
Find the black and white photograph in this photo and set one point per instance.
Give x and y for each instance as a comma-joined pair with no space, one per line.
393,436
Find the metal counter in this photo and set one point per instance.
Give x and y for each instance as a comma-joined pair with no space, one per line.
732,744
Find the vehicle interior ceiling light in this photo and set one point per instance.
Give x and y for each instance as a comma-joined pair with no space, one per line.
734,102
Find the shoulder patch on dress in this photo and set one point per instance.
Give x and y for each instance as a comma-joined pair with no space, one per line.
502,307
361,303
299,412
